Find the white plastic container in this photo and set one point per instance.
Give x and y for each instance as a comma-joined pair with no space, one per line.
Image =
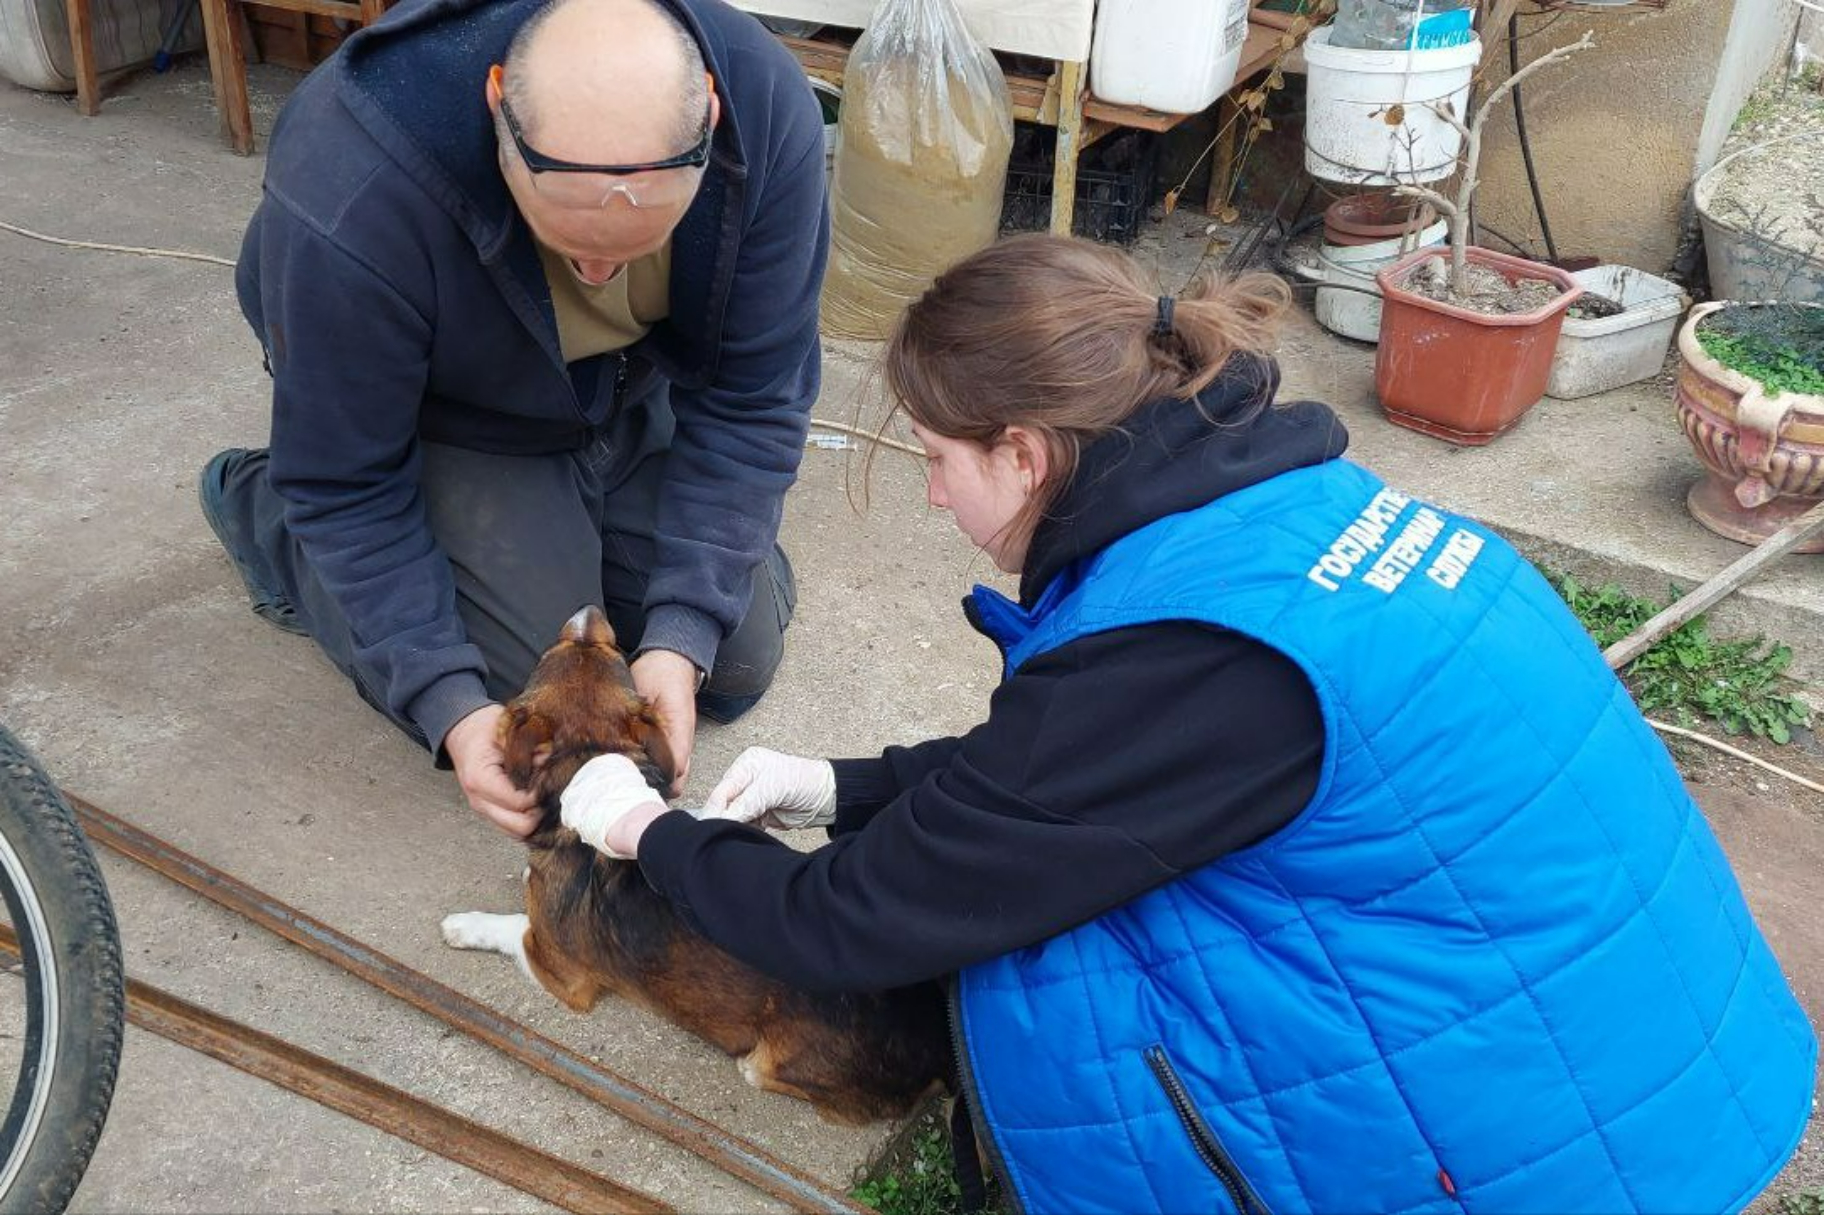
1597,355
1350,95
1347,311
830,98
1176,56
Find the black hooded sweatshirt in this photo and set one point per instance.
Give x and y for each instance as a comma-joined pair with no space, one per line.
1106,768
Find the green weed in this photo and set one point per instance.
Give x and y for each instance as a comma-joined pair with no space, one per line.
1757,109
925,1184
1806,1202
1779,366
1741,685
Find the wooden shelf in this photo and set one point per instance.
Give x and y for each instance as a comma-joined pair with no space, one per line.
1035,98
1081,120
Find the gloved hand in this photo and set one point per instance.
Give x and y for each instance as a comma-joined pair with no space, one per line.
775,790
602,791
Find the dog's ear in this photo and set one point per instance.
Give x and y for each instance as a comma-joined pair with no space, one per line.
651,735
525,743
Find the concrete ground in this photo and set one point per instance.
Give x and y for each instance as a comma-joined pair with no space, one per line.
131,664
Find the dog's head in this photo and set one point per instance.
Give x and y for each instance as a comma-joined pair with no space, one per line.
579,703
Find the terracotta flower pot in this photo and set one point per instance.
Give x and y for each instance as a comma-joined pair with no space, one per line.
1460,375
1763,453
1369,219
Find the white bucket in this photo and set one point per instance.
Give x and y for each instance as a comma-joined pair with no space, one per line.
1349,312
1176,56
1350,94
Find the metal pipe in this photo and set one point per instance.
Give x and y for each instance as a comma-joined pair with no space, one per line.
724,1149
380,1105
1526,146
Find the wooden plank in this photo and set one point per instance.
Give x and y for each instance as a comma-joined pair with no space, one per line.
1223,168
82,50
348,10
1718,587
1267,16
1094,131
1071,85
287,39
824,60
1034,97
228,71
278,40
1259,50
1130,115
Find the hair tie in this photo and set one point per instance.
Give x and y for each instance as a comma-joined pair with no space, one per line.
1162,323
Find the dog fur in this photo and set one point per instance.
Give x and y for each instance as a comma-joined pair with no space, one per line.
594,927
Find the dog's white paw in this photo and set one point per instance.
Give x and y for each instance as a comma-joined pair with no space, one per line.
481,930
750,1071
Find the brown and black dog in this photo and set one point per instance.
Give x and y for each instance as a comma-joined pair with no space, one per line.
593,926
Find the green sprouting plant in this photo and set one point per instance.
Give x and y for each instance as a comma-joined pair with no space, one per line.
1805,1202
924,1185
1741,685
1754,111
1779,366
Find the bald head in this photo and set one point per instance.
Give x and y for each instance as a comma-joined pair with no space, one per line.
607,81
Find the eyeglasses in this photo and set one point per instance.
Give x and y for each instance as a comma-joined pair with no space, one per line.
657,183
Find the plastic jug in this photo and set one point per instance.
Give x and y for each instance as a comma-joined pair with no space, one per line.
1176,56
1400,25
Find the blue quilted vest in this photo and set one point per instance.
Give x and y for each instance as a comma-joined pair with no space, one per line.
1499,963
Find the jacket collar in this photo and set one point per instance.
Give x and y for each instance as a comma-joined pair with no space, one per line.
1175,455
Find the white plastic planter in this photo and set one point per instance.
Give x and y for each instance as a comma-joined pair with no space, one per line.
1597,355
1350,96
1177,56
1349,312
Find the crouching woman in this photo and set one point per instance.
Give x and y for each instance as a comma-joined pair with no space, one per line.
1309,858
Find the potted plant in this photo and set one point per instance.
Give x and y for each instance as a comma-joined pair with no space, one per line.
1467,340
1750,398
1762,220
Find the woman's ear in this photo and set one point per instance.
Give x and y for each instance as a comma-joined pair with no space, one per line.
1031,457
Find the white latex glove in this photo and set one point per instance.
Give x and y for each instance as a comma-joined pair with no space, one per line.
602,791
775,790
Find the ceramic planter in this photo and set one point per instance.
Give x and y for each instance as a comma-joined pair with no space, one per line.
1460,375
1763,454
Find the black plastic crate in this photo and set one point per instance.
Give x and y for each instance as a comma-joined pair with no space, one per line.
1114,183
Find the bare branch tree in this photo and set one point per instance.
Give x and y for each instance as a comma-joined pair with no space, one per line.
1470,157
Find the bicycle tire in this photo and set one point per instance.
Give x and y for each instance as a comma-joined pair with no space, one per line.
75,994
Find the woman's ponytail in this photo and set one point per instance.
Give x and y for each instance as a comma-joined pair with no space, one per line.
1217,319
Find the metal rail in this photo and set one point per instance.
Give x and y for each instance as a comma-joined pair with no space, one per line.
380,1105
730,1152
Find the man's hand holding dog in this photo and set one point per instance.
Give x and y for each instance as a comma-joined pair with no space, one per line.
473,745
669,680
775,790
609,805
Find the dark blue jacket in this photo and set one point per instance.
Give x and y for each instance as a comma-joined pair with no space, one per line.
399,297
